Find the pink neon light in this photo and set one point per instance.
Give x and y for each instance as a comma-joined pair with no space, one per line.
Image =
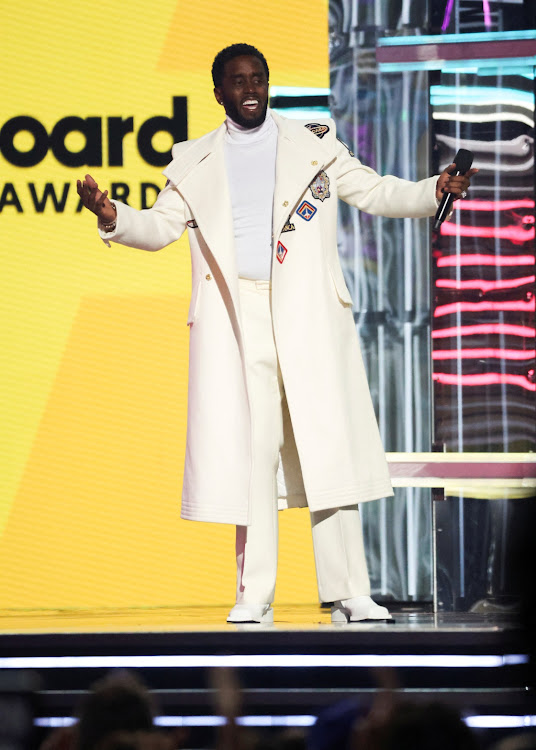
486,286
512,233
476,259
454,307
487,14
517,354
502,329
488,378
446,18
468,205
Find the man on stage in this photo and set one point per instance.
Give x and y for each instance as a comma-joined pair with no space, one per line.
278,402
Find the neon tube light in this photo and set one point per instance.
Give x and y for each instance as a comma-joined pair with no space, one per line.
245,721
479,259
476,36
501,329
487,14
512,233
481,96
485,353
477,205
298,91
187,661
448,13
455,307
477,722
483,116
299,720
498,722
519,65
486,378
486,286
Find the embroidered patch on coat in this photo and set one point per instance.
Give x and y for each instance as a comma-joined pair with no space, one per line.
289,226
320,186
306,211
318,129
346,147
280,252
192,223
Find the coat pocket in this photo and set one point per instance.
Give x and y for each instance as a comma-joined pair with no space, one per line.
340,285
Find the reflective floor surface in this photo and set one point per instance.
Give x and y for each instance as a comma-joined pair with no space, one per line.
198,618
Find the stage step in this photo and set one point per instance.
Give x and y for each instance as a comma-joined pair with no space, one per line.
472,663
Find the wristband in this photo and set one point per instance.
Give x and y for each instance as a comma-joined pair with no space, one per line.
111,225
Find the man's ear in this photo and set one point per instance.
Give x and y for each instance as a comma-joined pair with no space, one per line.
217,94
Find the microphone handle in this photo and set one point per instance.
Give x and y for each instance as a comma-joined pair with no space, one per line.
444,207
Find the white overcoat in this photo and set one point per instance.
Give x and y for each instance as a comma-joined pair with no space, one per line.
332,455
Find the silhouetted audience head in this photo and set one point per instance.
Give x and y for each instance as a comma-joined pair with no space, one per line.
117,703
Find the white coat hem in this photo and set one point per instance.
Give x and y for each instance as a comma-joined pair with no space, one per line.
350,496
215,514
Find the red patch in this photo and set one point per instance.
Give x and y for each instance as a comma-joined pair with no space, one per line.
280,252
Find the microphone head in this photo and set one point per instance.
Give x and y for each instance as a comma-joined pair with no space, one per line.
463,160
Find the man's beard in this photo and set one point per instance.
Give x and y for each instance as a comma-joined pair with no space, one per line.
232,112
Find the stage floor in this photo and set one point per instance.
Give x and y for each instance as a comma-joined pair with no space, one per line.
197,619
290,672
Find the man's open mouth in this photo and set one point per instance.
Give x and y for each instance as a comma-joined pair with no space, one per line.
250,104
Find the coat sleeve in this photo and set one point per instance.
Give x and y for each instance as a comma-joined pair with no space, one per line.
151,228
390,196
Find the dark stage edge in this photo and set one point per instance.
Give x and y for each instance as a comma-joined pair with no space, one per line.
275,690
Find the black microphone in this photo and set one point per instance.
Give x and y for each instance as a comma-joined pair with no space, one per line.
463,161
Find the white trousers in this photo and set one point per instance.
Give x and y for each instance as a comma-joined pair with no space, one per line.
341,567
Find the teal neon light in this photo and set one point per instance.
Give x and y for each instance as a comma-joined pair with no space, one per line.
484,36
479,95
297,91
498,64
295,113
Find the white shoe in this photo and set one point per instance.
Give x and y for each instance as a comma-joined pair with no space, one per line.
358,609
261,613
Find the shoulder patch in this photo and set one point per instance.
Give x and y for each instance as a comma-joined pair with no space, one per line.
346,147
317,129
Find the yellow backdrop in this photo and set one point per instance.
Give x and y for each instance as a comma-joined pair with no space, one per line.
94,340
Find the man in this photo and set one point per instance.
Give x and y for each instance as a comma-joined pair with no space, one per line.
277,386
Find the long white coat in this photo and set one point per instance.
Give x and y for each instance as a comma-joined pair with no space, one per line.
333,454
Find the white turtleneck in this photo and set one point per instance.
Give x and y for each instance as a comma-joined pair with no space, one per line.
250,160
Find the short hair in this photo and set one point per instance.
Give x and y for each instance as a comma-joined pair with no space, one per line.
229,53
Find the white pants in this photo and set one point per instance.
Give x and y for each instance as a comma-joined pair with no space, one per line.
341,567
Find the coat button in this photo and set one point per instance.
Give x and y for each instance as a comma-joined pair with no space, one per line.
314,163
208,277
285,203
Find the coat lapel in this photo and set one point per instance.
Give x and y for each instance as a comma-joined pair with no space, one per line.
300,156
200,176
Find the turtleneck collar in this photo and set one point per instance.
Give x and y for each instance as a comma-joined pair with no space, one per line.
240,135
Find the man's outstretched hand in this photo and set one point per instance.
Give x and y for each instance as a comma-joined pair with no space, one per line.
456,184
96,200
